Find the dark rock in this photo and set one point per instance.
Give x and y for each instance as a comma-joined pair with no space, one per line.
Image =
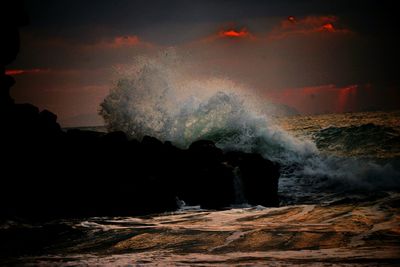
259,177
83,136
47,172
205,150
48,117
5,84
115,138
151,141
48,122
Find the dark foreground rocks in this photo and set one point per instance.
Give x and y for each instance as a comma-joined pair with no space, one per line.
82,173
47,172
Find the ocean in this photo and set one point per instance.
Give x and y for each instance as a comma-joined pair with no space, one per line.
339,203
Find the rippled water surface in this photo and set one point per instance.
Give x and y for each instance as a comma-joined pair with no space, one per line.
340,208
367,233
369,134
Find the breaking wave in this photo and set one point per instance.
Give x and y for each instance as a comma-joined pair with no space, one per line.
158,96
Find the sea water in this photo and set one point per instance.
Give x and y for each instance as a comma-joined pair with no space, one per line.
339,185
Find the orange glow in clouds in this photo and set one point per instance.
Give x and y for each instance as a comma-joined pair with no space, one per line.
292,19
319,99
293,26
19,72
328,27
234,34
345,97
125,41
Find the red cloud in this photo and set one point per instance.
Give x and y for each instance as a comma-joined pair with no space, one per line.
308,25
228,32
125,41
234,33
120,41
106,43
291,26
19,71
319,99
345,96
327,27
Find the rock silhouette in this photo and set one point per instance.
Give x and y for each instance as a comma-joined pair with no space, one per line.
48,172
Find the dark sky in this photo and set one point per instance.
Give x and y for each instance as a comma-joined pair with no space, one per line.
317,56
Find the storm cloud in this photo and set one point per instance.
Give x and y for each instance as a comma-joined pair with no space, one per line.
311,55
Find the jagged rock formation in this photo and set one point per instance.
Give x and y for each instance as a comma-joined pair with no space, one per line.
46,171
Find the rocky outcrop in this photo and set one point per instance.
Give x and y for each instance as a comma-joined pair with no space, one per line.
81,173
46,171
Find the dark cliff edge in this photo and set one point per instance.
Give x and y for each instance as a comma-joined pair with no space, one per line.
50,173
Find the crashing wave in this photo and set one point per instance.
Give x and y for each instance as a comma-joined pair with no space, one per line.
156,99
159,97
